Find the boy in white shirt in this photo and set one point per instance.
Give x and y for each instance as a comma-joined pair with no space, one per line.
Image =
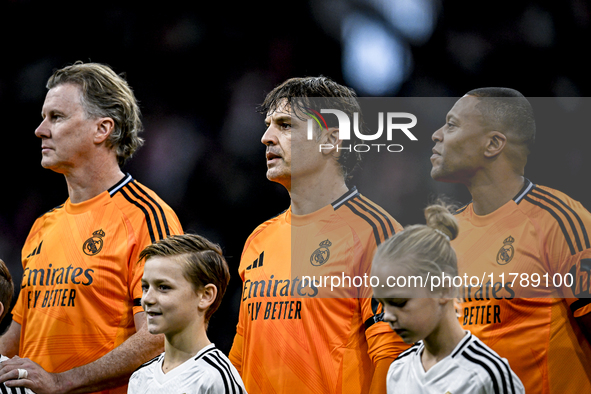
185,277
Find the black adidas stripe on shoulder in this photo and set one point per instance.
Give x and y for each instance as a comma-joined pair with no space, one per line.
558,209
152,220
230,385
363,216
500,361
157,204
584,234
224,364
490,365
362,208
380,215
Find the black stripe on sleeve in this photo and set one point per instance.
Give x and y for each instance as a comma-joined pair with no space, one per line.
373,214
21,390
575,214
377,211
367,219
492,364
497,360
146,214
486,368
3,388
567,216
380,212
558,219
208,360
224,364
164,221
154,214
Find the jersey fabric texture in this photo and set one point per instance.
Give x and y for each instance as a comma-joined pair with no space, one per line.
472,367
541,234
12,390
209,372
82,281
296,333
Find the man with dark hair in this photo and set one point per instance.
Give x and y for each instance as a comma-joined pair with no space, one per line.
294,334
78,322
518,237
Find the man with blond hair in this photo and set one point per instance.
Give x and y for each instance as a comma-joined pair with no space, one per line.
78,324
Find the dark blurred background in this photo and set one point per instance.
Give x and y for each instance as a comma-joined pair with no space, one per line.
200,70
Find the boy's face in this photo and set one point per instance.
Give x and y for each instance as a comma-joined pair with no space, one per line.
170,301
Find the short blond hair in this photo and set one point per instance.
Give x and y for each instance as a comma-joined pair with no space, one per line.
106,94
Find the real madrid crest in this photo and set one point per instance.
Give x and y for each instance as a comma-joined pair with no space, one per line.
94,244
322,254
506,252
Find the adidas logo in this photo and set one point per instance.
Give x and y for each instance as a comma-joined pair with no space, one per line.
258,262
35,251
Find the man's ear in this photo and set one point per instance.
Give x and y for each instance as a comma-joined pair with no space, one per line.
496,142
331,141
1,309
104,128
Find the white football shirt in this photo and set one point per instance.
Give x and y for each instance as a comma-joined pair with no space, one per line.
208,372
472,367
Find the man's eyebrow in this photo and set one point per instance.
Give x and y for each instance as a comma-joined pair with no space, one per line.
278,118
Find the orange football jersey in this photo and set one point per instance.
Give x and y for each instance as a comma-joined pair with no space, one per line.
532,258
82,281
299,330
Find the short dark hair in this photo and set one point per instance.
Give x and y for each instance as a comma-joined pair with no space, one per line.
6,288
325,93
203,260
106,94
508,111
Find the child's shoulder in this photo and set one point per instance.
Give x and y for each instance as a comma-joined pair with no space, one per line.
145,367
483,364
221,374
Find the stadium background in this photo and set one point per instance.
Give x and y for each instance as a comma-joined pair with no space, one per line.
199,72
